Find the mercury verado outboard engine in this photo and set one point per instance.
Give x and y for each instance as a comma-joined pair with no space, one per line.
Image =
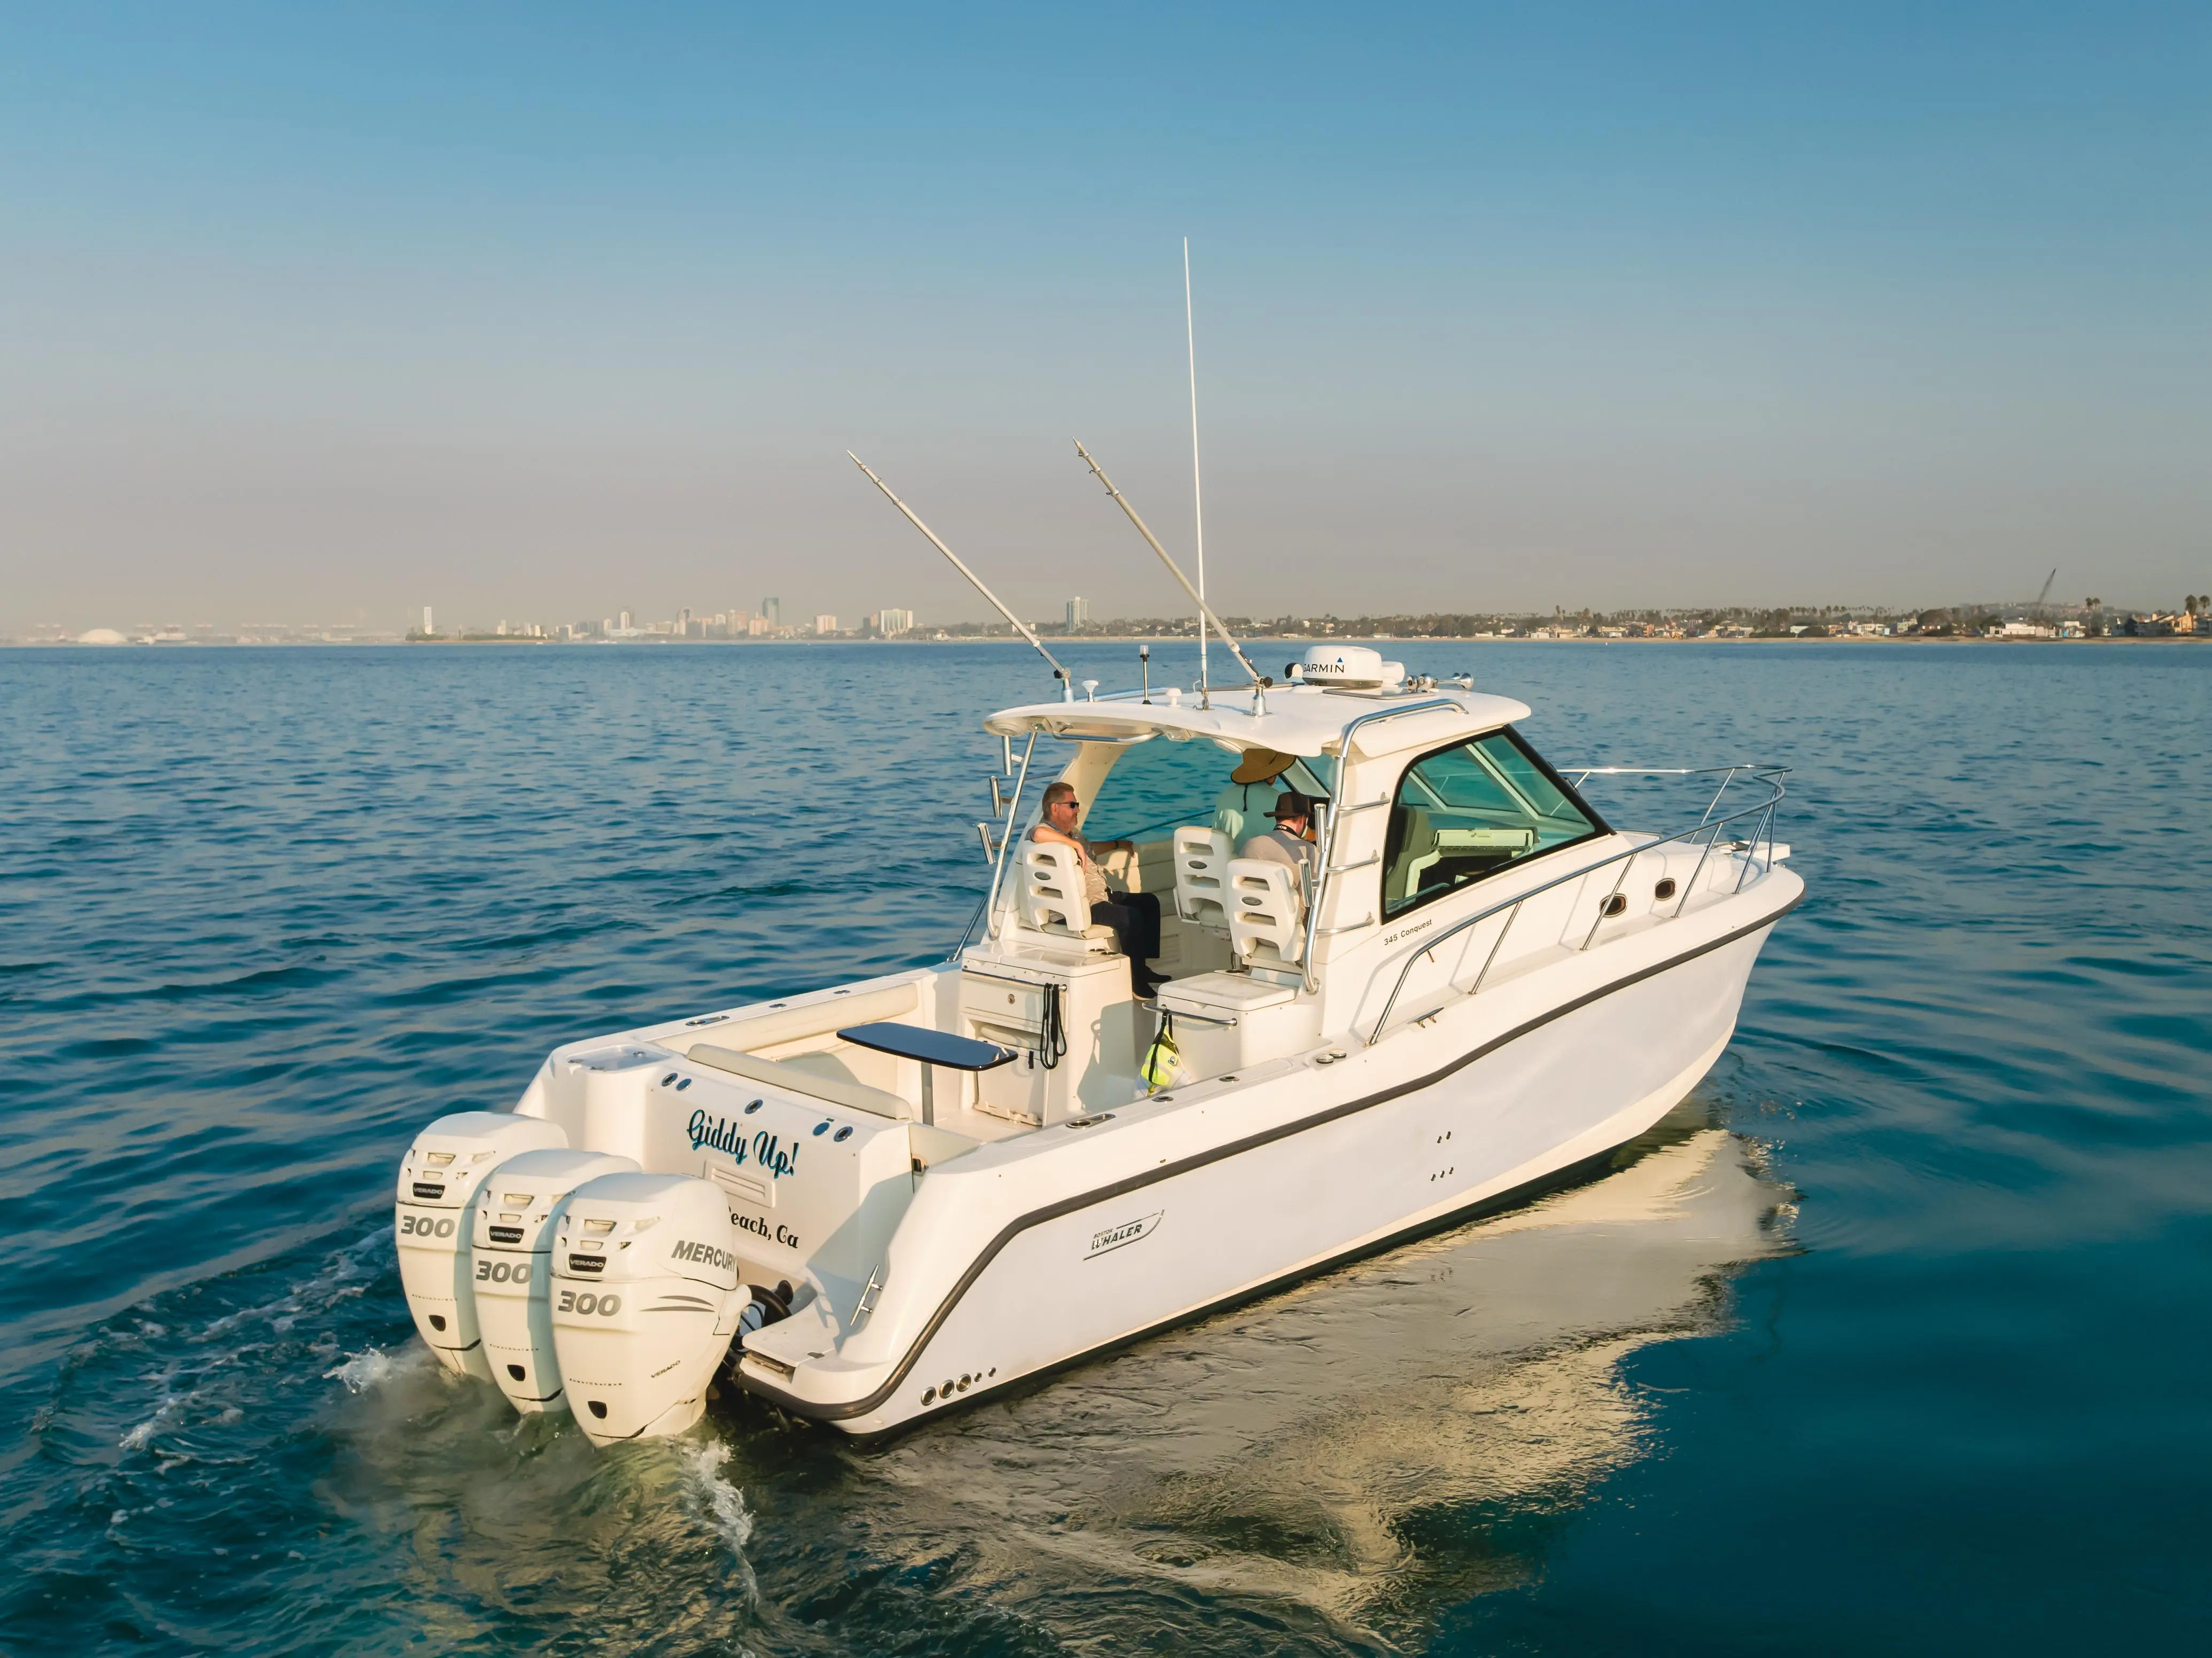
645,1300
511,1275
438,1180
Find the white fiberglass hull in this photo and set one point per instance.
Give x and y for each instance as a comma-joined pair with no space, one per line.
1010,1263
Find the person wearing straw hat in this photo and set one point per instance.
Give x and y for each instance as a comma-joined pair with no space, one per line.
1243,807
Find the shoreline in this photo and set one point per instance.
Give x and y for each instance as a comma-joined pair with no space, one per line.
1423,640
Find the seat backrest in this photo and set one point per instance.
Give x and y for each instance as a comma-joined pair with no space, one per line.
1265,907
1052,888
1409,848
1201,867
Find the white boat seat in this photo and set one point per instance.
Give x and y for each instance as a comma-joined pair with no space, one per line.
1266,907
1052,895
780,1026
789,1077
1201,866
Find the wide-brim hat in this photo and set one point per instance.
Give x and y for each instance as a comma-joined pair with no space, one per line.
1291,803
1262,766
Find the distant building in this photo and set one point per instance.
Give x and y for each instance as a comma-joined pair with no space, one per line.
1078,614
627,623
759,627
427,628
773,610
891,623
823,625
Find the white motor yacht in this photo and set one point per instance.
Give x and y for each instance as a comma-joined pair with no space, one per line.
884,1199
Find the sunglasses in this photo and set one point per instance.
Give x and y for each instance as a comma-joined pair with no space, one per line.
1070,801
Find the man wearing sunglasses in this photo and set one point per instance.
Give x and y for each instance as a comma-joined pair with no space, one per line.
1134,916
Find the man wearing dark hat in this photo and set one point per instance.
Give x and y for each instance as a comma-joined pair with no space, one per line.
1289,842
1240,809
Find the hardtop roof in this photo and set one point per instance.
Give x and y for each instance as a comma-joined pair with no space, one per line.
1302,720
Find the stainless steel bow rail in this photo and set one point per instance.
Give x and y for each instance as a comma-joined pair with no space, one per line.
1709,826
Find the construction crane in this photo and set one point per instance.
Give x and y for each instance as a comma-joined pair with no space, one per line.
2043,597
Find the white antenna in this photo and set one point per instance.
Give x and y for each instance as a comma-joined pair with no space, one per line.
1197,498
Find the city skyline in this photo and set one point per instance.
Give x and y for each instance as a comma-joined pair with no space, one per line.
2040,618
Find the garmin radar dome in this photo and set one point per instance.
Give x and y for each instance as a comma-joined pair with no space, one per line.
441,1179
645,1300
512,1278
1343,667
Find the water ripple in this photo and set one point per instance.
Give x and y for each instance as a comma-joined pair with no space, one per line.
1885,1342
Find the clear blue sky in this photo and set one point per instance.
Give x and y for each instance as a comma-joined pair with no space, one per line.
324,312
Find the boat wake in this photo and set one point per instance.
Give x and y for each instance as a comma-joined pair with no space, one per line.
374,1367
717,1503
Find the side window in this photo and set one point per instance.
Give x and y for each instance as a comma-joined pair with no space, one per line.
1467,812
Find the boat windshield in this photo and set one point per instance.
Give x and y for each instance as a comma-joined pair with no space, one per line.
1471,809
1155,785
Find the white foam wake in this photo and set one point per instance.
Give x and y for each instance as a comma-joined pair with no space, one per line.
142,1436
718,1503
372,1367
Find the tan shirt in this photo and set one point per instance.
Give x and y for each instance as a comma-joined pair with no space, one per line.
1280,846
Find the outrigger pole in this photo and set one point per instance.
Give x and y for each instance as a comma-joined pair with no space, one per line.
1067,684
1204,610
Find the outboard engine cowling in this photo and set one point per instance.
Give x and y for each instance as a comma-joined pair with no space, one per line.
646,1299
511,1244
438,1180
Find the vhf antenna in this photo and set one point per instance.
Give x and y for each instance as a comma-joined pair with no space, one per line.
1067,684
1204,611
1197,497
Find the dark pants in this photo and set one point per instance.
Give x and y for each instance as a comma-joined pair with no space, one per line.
1136,919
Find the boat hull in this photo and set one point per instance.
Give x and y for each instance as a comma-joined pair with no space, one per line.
1482,1107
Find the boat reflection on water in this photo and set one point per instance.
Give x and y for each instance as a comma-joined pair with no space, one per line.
1377,1444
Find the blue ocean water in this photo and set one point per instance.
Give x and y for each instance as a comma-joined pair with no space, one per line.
1894,1337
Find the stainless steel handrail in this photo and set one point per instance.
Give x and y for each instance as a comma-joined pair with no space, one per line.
998,866
1708,825
1328,830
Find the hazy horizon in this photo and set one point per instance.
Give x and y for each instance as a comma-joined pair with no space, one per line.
545,313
